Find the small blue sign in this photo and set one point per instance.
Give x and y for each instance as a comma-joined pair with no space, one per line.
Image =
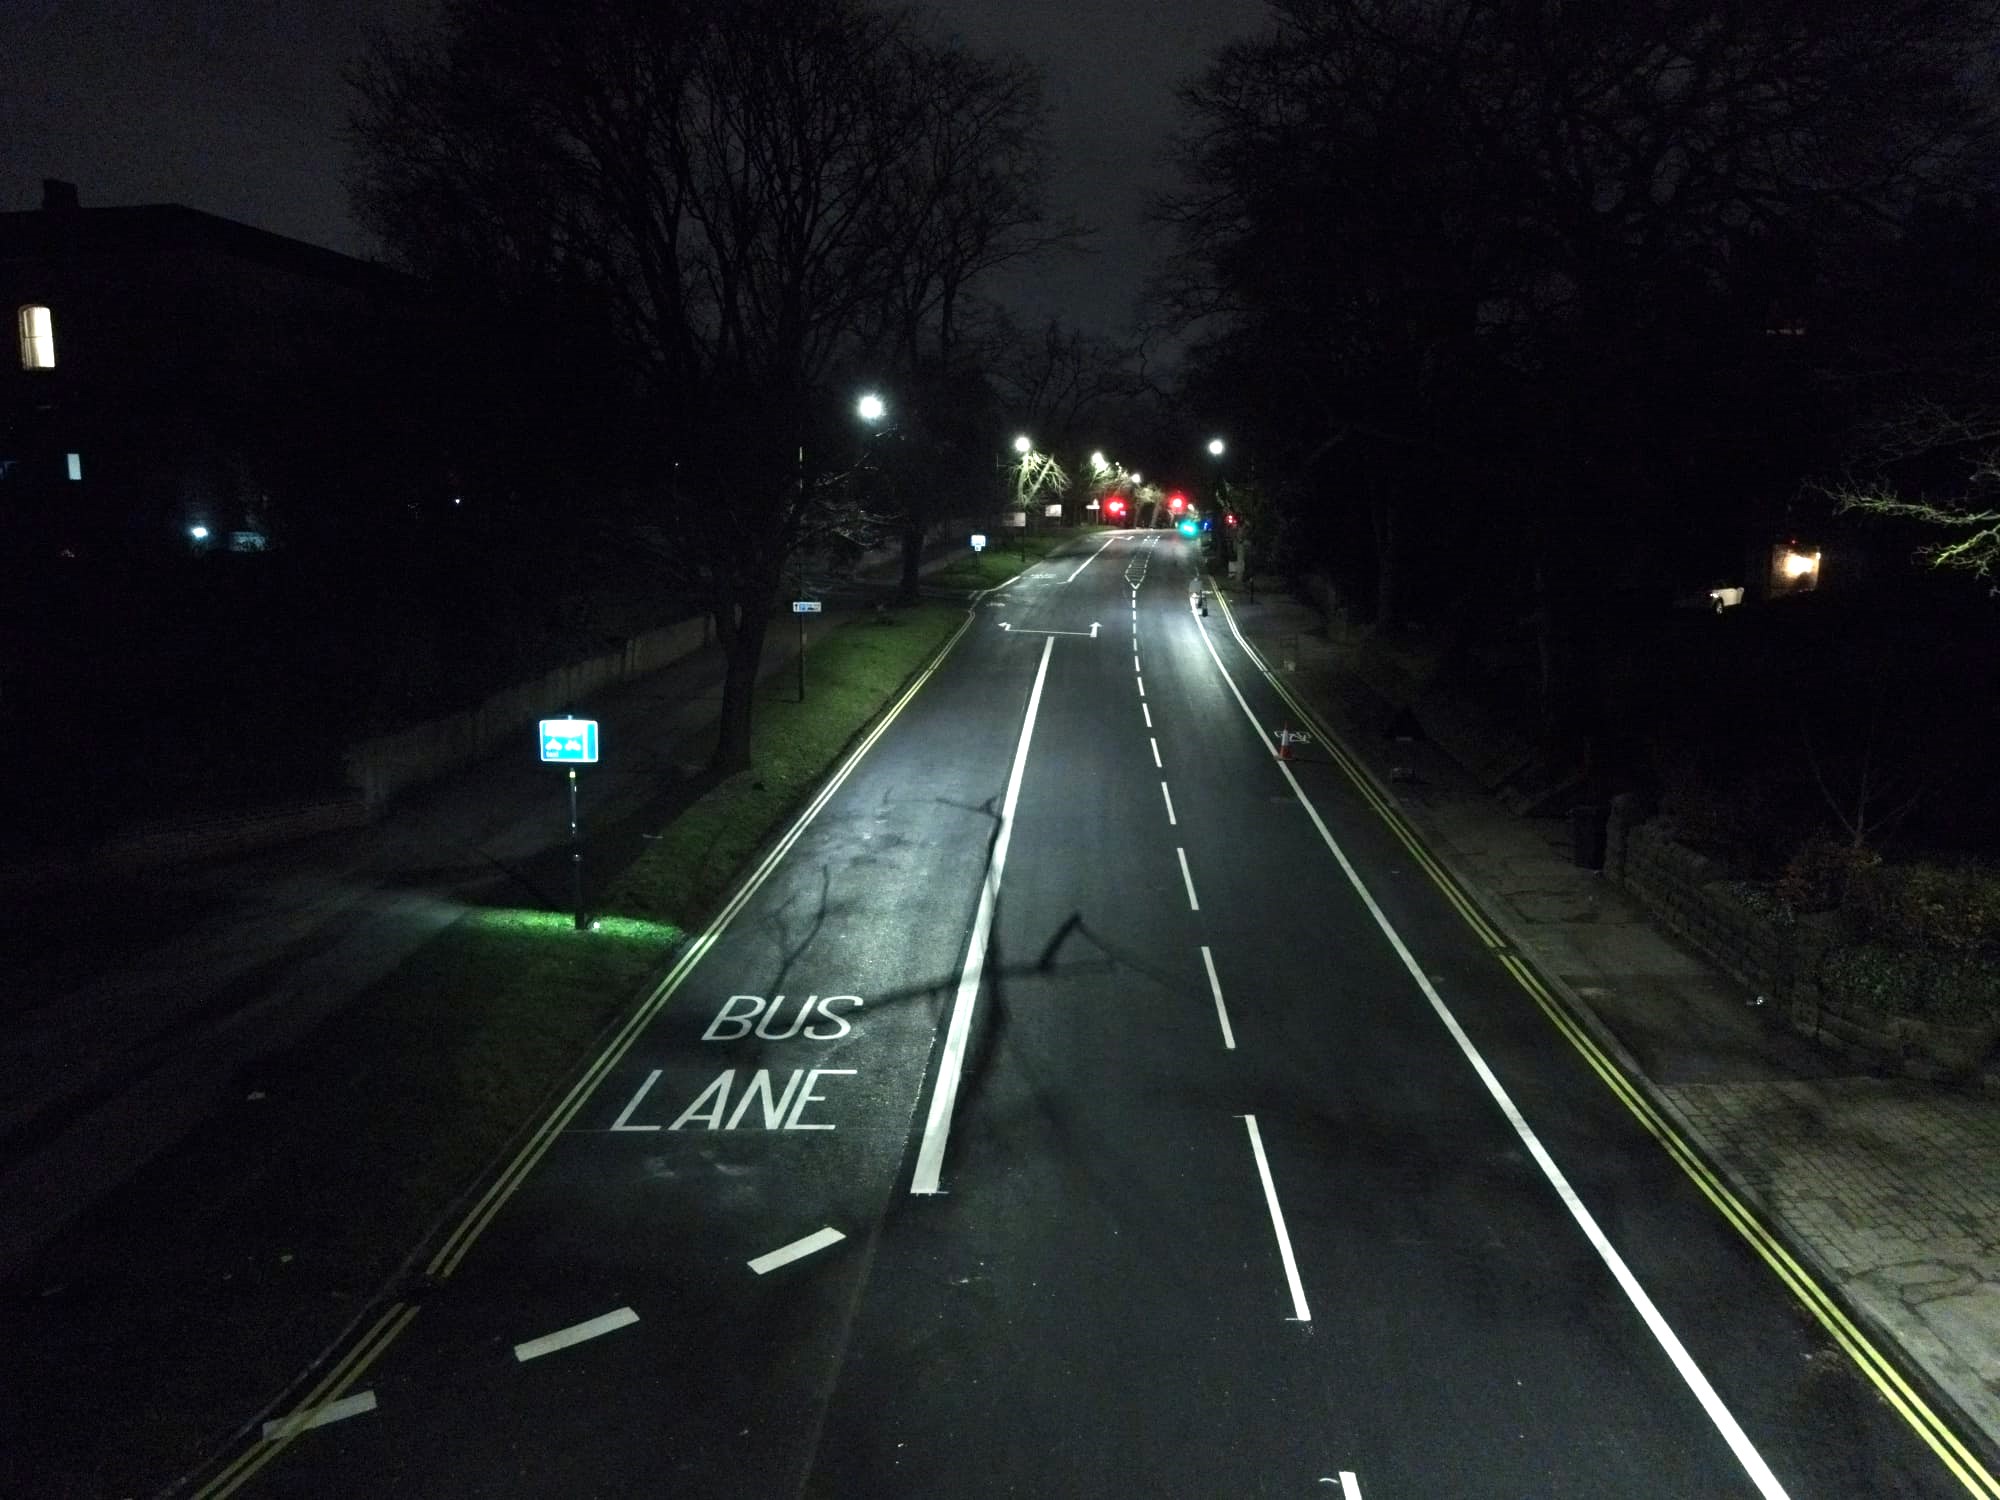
573,740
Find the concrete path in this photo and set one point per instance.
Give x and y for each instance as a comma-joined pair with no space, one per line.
1888,1189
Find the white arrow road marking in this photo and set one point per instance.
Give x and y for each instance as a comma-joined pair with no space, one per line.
784,1255
576,1333
319,1416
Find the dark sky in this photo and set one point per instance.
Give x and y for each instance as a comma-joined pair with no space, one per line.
236,107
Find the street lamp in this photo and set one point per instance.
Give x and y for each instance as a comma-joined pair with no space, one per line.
1098,462
870,408
1215,447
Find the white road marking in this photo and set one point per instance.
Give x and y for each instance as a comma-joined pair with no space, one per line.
1299,1312
1156,751
1215,986
784,1255
319,1416
1193,905
576,1333
1350,1487
636,1100
1726,1424
1087,562
1147,710
1142,687
937,1128
1172,821
1135,661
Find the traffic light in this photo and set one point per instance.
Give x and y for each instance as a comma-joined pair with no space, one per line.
1115,507
1188,528
1176,503
1230,519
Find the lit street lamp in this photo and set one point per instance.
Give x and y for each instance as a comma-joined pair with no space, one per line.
1215,447
870,408
1024,444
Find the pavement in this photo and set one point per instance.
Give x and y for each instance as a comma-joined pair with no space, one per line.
1888,1189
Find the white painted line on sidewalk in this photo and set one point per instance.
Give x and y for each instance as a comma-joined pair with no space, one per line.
1147,710
1221,1013
576,1333
1193,905
784,1255
1172,821
1299,1312
319,1416
937,1127
1725,1423
1157,764
1087,562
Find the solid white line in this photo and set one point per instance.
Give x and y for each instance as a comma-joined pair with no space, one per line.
576,1333
1087,562
784,1255
1299,1312
1156,750
937,1128
1172,821
1215,987
1739,1443
1147,710
1193,905
319,1416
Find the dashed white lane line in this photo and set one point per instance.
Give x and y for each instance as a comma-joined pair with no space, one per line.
319,1416
1193,905
576,1333
1732,1433
937,1127
1135,661
1147,710
1142,687
784,1255
1299,1312
1215,988
1172,821
1350,1487
1156,753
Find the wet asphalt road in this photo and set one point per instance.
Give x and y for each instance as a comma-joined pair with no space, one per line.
1259,1175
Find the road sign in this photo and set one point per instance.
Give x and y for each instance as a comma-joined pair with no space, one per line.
1054,510
805,606
978,541
1015,518
570,740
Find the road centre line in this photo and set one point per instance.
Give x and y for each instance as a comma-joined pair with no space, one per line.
937,1127
1147,710
1142,687
576,1333
1172,821
798,1249
319,1416
1156,752
1215,987
1193,905
1299,1311
1135,661
1088,561
1725,1423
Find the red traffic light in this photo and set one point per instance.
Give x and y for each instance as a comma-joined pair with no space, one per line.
1230,519
1116,507
1175,502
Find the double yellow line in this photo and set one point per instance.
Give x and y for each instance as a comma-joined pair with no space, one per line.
384,1330
1937,1434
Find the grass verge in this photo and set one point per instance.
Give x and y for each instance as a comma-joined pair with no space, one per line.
207,1281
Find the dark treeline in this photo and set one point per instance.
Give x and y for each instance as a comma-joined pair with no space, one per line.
1533,312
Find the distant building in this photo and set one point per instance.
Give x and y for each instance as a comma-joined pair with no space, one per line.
179,380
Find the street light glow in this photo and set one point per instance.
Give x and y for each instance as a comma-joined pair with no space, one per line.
1097,462
1215,446
199,533
1023,444
871,408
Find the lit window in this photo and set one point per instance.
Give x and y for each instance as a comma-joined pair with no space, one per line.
76,466
38,339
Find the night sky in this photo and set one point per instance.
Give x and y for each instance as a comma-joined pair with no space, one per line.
237,106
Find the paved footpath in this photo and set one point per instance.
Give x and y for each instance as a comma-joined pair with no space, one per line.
1888,1188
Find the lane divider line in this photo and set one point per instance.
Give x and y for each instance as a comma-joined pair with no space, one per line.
319,1416
1300,1313
1085,563
576,1333
798,1249
1215,988
1725,1423
449,1254
1172,821
1158,764
1142,686
1147,710
1939,1435
1193,905
937,1126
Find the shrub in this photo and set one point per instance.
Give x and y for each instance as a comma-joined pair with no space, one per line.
1819,874
1895,981
1949,909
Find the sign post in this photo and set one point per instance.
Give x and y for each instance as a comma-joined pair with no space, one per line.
571,742
802,608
